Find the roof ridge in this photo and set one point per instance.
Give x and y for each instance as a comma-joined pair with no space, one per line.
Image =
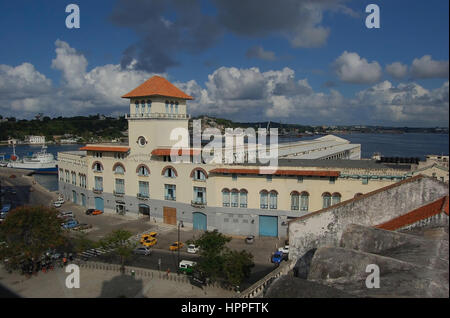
423,212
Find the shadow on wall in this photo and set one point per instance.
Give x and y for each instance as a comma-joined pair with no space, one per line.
122,286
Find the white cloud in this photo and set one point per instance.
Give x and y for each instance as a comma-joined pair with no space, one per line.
426,67
397,70
351,68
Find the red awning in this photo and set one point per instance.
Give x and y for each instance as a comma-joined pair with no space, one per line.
279,172
105,148
177,152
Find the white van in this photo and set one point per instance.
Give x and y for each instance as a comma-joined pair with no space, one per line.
186,266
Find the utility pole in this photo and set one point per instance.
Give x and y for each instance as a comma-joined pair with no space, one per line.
178,262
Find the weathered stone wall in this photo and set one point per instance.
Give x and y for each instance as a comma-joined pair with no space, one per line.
325,227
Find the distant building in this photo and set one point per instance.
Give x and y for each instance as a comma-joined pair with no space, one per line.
35,140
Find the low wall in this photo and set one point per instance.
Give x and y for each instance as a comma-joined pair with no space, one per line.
325,227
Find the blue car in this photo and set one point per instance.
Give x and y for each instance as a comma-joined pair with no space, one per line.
70,224
277,257
5,209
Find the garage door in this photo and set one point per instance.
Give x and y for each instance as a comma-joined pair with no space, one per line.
268,225
199,220
99,204
170,215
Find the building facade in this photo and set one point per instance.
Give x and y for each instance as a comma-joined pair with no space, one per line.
141,180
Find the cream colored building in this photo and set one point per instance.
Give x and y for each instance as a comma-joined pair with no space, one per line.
140,179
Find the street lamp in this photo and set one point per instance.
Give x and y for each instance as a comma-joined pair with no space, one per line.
180,223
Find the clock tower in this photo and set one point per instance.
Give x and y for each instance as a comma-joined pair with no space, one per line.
156,108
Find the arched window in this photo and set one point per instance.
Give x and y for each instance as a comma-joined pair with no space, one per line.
119,168
199,174
243,198
167,106
263,199
226,197
326,198
143,171
169,172
171,107
149,106
336,198
304,201
97,167
294,200
136,104
273,198
235,198
176,107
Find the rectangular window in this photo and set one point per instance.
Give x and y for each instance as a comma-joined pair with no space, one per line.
332,180
294,202
304,200
226,198
269,178
243,199
234,177
199,195
120,186
234,199
300,179
170,192
365,180
143,189
98,183
263,201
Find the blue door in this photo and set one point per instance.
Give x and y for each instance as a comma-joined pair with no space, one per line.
268,225
83,199
99,204
199,221
74,197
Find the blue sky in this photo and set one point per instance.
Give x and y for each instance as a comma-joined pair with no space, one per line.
296,61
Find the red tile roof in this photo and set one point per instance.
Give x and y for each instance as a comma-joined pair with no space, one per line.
106,148
157,86
318,173
416,215
167,152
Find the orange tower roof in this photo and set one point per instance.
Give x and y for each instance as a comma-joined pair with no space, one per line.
157,86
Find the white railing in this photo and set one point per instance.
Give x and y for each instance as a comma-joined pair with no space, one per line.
157,115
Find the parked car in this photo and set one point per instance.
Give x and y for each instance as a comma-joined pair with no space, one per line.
143,250
186,267
70,224
192,248
82,226
64,214
198,279
277,257
93,212
175,246
147,236
150,242
284,249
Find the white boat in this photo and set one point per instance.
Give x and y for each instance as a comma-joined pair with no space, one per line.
41,162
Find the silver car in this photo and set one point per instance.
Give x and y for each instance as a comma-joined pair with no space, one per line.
143,250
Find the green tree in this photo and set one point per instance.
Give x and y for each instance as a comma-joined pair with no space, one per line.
28,232
119,241
219,262
237,266
81,243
